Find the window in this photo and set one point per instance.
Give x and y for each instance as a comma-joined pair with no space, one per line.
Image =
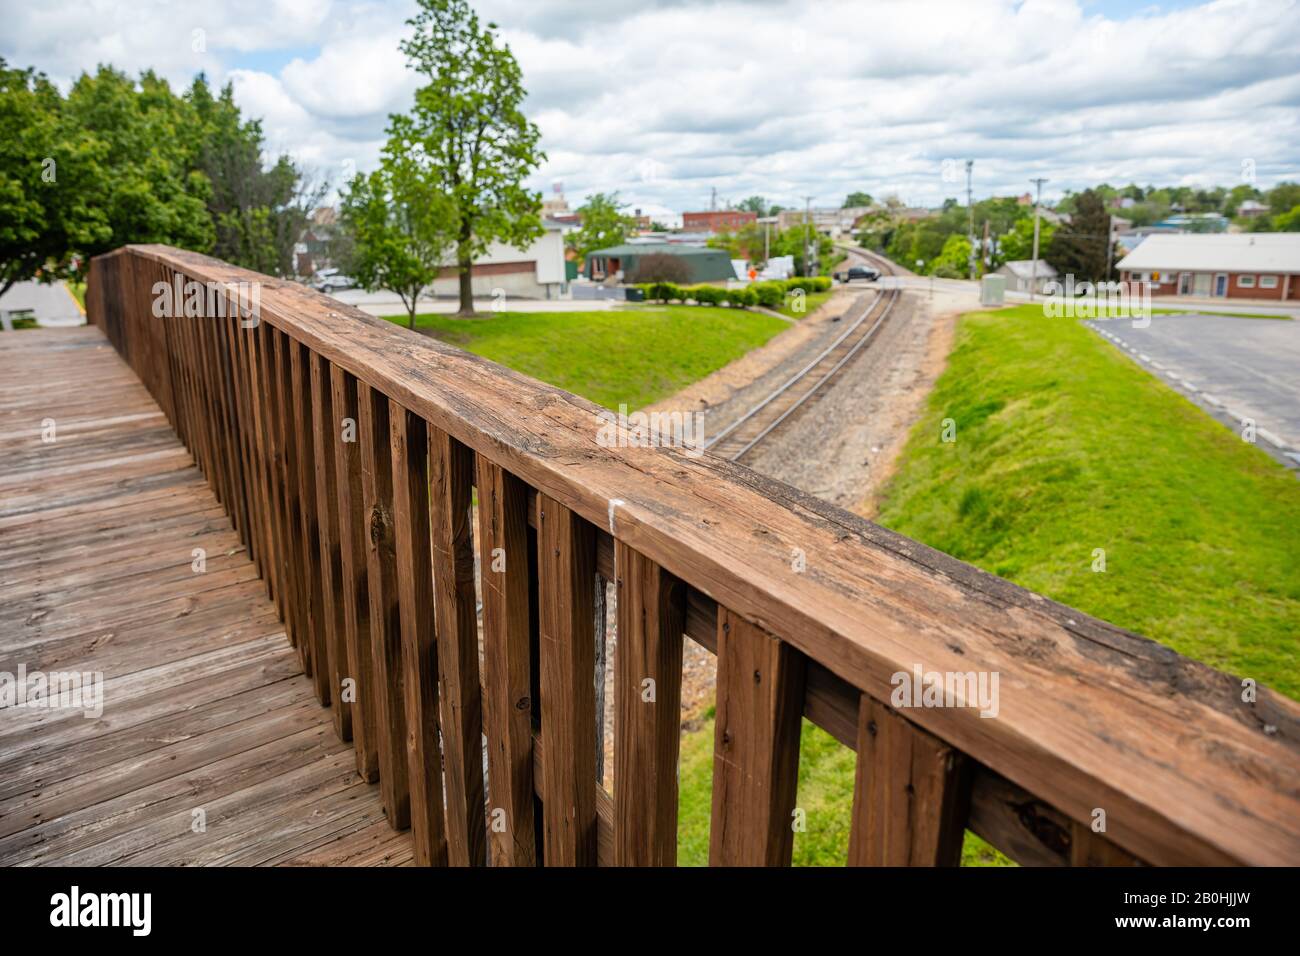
1268,282
1245,282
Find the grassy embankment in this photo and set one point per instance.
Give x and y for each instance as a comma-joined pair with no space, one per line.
1064,446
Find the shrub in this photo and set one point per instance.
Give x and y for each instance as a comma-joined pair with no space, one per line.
769,294
661,267
742,298
705,294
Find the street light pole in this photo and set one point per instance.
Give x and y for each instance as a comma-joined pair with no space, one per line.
970,220
807,214
1033,265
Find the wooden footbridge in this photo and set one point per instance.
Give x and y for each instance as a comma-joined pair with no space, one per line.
265,523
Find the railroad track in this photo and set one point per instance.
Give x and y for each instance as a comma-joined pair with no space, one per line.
742,435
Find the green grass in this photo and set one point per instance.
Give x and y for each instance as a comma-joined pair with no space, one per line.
634,355
1062,446
812,301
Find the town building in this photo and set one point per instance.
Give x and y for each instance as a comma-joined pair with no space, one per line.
534,272
717,220
1244,265
706,265
1021,274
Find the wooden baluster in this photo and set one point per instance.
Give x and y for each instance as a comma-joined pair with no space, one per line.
354,532
303,462
756,745
254,468
647,732
911,796
504,571
1088,848
566,567
268,443
410,464
283,411
324,438
451,472
385,611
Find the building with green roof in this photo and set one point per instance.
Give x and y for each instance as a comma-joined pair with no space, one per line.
707,265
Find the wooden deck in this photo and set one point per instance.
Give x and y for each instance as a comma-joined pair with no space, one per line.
205,706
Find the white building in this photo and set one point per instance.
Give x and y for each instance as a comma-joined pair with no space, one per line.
534,272
1020,273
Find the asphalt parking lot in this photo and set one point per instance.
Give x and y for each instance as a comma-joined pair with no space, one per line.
1234,368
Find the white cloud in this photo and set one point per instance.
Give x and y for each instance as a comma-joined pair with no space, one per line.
781,98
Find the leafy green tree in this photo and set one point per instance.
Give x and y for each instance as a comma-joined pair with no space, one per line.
1079,248
1017,245
604,224
755,204
857,199
467,132
49,182
402,227
1288,221
1284,197
953,260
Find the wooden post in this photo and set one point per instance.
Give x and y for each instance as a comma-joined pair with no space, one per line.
911,796
504,571
756,746
385,612
451,473
410,449
647,716
566,565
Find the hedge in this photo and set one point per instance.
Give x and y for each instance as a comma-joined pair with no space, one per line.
770,294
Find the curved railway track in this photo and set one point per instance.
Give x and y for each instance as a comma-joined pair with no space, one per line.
742,435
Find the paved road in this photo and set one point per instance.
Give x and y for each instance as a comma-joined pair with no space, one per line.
51,304
1236,368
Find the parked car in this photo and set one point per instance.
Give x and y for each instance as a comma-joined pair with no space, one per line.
865,273
331,280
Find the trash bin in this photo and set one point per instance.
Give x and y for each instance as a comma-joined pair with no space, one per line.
993,289
635,295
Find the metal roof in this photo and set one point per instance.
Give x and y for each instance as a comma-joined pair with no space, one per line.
1229,252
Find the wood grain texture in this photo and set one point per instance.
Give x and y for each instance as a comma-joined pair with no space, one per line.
353,570
566,567
911,794
410,450
385,610
647,717
1091,715
756,746
460,701
504,568
324,437
304,463
206,707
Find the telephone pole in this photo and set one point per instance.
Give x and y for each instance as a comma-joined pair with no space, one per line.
970,219
1033,265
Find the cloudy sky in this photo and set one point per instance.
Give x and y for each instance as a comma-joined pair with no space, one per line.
665,100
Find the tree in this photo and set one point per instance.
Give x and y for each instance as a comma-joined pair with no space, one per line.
49,208
1288,221
402,229
1283,197
953,260
755,204
1080,247
855,199
467,132
1017,245
603,224
661,267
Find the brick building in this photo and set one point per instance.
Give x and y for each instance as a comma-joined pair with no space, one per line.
717,220
1244,265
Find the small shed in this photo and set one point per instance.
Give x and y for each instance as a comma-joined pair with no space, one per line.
707,265
1020,273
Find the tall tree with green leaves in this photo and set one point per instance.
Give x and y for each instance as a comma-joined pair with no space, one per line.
467,132
603,224
50,182
857,199
402,227
1080,247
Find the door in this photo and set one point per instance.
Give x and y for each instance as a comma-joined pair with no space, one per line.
1201,283
1220,284
1185,283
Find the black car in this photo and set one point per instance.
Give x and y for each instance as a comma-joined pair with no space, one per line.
866,273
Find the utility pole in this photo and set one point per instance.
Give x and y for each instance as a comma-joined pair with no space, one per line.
970,219
807,220
1110,242
1033,265
713,199
767,241
984,248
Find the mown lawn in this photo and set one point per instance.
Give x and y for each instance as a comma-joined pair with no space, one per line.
812,301
634,355
1064,446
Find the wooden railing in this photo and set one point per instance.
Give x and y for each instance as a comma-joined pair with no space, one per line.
349,453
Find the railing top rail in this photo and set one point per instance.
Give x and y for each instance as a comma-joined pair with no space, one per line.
1090,715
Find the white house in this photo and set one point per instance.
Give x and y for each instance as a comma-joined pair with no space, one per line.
534,272
1021,272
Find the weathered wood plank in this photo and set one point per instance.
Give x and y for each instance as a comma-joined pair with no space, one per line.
647,712
756,746
507,664
410,450
911,794
451,473
303,461
385,611
324,437
353,569
566,565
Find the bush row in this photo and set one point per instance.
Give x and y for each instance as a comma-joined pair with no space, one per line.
770,294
